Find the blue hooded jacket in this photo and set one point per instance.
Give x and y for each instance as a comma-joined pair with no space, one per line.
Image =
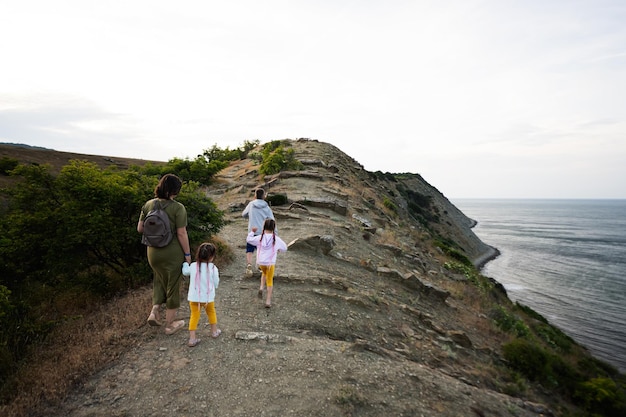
256,212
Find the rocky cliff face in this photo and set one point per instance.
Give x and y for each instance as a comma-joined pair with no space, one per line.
400,204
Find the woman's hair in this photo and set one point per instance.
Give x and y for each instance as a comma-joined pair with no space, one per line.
270,226
168,186
205,252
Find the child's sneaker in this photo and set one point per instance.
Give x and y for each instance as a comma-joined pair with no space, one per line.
248,271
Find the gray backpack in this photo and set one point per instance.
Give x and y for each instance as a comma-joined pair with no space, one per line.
157,231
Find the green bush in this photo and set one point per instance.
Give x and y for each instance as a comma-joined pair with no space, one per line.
508,322
554,337
531,313
7,165
276,158
602,396
199,170
527,358
420,206
452,249
77,233
390,204
277,199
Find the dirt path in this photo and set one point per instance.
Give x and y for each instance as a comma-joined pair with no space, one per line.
341,338
314,353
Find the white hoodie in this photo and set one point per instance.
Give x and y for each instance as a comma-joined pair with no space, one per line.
256,212
266,247
201,286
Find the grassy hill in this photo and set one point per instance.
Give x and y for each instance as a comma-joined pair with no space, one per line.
26,154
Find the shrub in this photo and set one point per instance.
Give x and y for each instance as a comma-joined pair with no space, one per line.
508,322
7,165
602,396
531,313
79,230
276,158
449,248
527,358
390,204
554,337
277,199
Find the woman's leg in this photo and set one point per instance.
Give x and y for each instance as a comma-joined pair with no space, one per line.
172,303
154,319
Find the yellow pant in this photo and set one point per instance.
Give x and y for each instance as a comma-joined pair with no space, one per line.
268,273
195,313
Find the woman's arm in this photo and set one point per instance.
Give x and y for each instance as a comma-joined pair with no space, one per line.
183,239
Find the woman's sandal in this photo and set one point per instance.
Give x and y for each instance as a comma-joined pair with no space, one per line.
193,342
216,334
268,305
152,320
174,327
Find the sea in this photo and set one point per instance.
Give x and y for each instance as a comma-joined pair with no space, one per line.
565,259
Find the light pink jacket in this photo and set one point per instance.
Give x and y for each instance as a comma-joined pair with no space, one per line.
266,247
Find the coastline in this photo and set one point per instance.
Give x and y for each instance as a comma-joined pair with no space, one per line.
491,254
584,319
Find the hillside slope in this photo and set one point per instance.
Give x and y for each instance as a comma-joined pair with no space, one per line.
365,319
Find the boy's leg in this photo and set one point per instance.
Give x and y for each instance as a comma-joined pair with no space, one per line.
249,258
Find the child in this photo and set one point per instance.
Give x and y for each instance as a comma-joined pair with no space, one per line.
204,279
268,244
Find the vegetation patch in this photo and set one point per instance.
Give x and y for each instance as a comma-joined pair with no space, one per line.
72,236
278,156
419,206
277,199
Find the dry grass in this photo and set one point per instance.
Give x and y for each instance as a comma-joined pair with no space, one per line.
93,337
76,349
388,237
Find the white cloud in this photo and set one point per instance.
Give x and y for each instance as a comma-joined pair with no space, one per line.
473,95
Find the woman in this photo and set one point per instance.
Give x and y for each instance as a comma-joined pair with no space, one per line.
166,261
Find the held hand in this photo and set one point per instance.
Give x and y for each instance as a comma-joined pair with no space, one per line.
254,229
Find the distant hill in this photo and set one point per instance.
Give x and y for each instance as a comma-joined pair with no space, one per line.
28,154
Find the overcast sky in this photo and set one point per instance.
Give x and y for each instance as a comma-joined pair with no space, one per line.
489,98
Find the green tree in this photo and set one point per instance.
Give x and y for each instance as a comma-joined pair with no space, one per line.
77,233
276,158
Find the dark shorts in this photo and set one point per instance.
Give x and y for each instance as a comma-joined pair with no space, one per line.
250,248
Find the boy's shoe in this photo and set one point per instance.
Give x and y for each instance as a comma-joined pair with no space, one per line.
248,271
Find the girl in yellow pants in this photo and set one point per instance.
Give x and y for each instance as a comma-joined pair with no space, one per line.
268,245
204,278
